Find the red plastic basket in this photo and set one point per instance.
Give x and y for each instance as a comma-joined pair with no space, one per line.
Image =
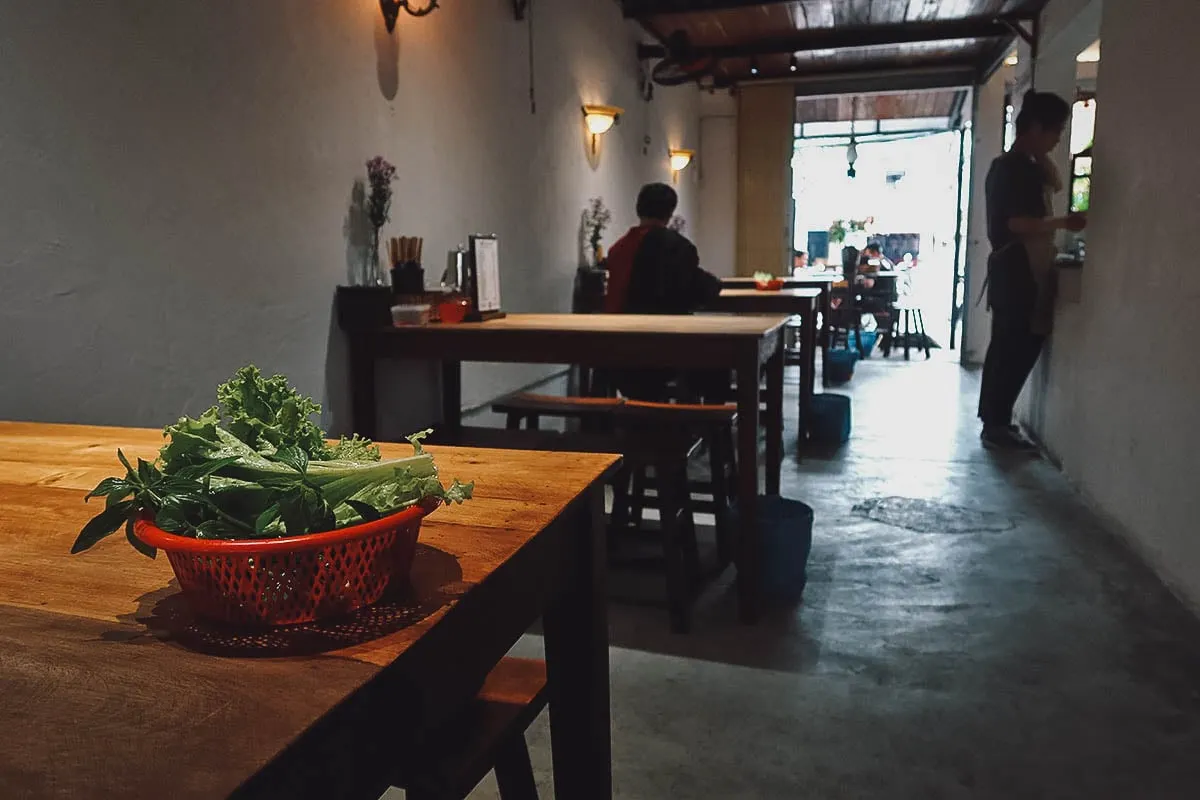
292,579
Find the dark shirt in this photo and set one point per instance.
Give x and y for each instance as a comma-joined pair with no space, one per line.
654,270
1015,188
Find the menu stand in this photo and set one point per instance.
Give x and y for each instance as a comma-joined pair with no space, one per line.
483,278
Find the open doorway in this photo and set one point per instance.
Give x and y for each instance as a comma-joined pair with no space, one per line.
900,185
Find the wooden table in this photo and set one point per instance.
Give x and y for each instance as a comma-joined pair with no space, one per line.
786,301
805,280
744,344
112,690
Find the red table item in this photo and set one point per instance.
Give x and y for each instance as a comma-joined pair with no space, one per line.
291,579
773,285
454,311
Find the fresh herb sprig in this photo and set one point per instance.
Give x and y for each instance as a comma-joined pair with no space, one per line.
179,503
256,466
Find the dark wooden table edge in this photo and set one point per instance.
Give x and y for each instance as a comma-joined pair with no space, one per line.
350,750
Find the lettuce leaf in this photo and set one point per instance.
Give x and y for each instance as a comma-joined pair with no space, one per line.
257,465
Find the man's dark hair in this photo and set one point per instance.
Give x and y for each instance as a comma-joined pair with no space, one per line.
656,201
1045,109
872,247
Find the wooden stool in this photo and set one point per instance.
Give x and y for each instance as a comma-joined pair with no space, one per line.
914,323
530,408
658,437
489,735
675,495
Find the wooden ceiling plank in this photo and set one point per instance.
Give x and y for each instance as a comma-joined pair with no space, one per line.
887,12
883,106
923,10
859,12
820,14
648,8
849,36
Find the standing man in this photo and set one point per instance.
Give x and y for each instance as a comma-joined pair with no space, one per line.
655,270
1020,282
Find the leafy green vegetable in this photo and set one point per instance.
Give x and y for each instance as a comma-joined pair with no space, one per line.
266,412
256,466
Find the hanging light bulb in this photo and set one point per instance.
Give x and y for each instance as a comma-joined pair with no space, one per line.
852,150
793,65
754,66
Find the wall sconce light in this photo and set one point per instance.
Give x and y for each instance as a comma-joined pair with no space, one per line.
600,119
391,10
680,159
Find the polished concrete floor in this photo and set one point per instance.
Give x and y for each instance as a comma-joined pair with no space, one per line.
998,645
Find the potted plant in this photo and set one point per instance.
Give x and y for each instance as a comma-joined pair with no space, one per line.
837,232
595,219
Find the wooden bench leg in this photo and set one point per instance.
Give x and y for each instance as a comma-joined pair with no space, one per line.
907,336
619,520
672,489
637,496
924,336
514,772
718,459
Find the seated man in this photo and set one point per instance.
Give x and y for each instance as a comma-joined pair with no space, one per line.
873,260
799,261
655,270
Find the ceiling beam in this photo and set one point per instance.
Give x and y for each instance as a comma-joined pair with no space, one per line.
874,79
649,8
854,36
993,58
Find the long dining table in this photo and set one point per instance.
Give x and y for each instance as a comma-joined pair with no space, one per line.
799,302
748,345
805,279
113,689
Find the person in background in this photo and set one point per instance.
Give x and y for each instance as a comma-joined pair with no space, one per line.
872,260
655,270
1020,281
878,294
799,261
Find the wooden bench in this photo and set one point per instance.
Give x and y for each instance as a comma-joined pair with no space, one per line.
658,438
715,425
529,408
488,736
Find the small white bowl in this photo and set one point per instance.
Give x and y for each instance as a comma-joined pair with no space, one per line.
410,315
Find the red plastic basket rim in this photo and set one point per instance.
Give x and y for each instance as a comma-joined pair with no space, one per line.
155,536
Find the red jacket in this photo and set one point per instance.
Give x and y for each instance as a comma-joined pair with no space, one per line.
654,270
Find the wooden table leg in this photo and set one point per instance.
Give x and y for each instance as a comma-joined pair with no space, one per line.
774,421
452,395
576,635
364,418
748,583
808,369
826,322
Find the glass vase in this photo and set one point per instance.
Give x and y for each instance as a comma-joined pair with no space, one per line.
374,273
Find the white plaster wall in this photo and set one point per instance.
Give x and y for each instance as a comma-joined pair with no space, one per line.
987,132
1124,370
716,236
175,178
1048,403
